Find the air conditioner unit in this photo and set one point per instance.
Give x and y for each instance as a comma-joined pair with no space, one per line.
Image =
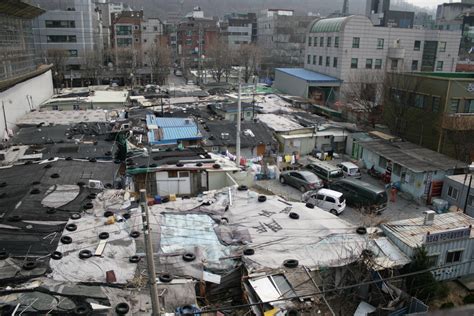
95,184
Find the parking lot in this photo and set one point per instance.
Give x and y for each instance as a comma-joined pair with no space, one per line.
402,208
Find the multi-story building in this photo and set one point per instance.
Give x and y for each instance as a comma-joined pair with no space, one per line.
24,82
68,34
355,51
107,11
195,35
435,110
240,28
281,38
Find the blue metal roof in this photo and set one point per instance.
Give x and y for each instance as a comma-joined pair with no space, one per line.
173,129
308,75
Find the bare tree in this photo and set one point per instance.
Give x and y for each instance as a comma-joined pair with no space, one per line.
159,58
58,58
459,130
219,59
248,57
93,66
401,104
364,93
126,62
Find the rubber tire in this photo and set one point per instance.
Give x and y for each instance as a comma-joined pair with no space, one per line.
282,180
262,198
361,230
126,215
4,255
108,213
302,189
165,278
29,265
103,235
188,257
134,259
75,216
66,240
216,166
310,205
88,206
135,234
56,255
81,184
50,211
249,252
85,254
290,263
55,175
334,212
71,227
81,310
92,196
14,218
122,308
199,164
242,188
294,215
179,164
35,191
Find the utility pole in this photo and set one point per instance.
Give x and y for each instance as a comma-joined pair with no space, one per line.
155,301
239,114
4,118
200,54
253,98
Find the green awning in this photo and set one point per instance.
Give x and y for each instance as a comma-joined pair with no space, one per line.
328,25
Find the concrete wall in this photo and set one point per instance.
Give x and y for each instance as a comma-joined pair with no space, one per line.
40,88
290,84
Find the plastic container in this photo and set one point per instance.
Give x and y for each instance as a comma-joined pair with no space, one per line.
157,199
172,197
440,205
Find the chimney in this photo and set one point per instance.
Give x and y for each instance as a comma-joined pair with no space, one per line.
429,217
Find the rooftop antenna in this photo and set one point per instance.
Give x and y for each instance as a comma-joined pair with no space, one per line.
345,8
239,114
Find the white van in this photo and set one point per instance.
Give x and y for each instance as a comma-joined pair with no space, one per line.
350,170
328,200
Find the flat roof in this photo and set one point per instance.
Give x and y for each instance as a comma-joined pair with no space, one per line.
462,178
279,123
413,231
308,75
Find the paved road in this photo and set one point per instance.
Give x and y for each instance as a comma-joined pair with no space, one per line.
401,209
175,80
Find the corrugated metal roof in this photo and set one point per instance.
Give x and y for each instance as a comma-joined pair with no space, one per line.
412,231
328,25
171,129
308,75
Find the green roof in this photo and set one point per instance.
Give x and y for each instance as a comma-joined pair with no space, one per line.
454,75
328,25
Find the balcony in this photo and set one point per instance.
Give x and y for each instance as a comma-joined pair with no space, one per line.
396,53
458,122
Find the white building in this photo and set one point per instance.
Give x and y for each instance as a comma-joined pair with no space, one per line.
152,28
351,49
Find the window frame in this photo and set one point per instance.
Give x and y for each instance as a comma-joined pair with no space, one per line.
442,47
356,42
378,66
380,40
334,62
367,64
453,252
453,192
356,64
415,47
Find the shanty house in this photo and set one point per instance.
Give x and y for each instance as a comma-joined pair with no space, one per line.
228,111
172,130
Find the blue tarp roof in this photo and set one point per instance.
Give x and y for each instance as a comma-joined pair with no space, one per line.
172,129
308,75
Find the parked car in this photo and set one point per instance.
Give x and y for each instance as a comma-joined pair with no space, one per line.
350,170
325,171
362,195
329,200
301,179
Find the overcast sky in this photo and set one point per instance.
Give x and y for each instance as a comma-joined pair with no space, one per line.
429,3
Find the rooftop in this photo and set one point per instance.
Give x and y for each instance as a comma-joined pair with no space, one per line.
170,130
411,156
309,76
20,9
328,25
461,178
65,117
412,231
279,123
447,75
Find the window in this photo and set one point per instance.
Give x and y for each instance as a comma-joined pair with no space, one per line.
320,60
329,41
417,45
309,41
368,63
435,101
380,43
397,169
330,199
321,41
328,61
453,192
55,108
433,260
72,52
60,24
314,59
144,41
123,29
144,28
135,27
442,46
354,62
454,106
309,59
355,42
470,200
394,64
454,256
155,28
76,107
121,42
334,62
315,40
469,106
439,65
378,64
419,101
414,65
382,162
61,38
336,41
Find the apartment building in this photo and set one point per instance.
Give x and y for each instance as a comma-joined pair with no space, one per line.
68,29
281,38
240,28
107,11
355,51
